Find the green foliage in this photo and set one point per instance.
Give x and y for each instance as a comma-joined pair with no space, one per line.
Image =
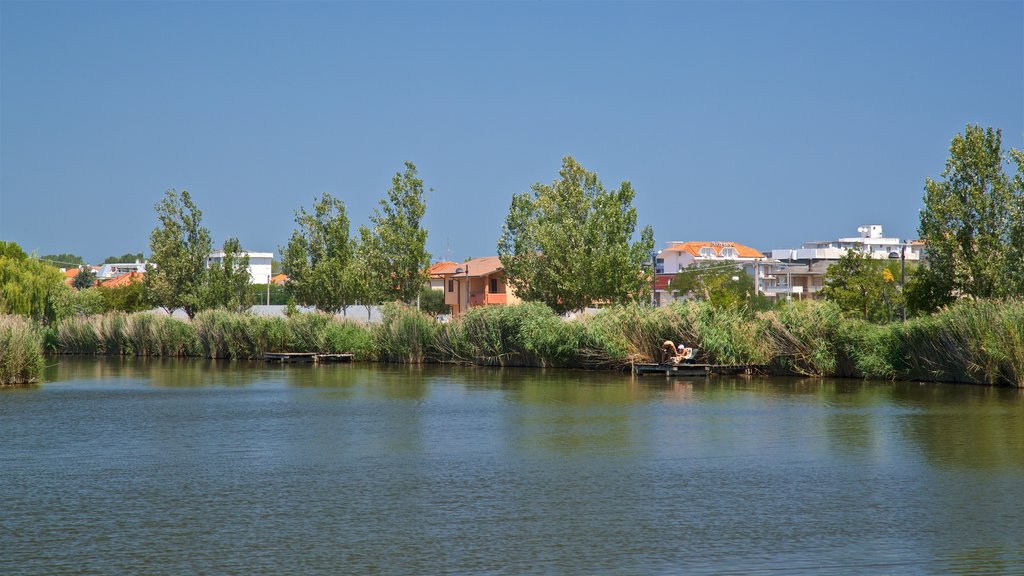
63,260
863,286
228,280
21,350
258,294
317,256
68,302
12,251
399,256
128,298
27,285
125,258
973,222
527,334
802,337
432,302
721,285
130,335
569,244
405,335
85,278
176,275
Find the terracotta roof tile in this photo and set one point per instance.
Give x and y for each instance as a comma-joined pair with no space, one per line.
694,248
124,280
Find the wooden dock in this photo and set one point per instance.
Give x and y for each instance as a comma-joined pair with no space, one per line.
305,357
691,370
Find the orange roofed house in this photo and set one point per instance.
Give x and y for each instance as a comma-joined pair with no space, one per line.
680,255
475,282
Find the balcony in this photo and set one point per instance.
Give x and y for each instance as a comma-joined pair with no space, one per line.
483,299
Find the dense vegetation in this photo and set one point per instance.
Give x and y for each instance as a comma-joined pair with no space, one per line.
971,341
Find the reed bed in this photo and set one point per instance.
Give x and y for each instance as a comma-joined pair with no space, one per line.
971,341
21,351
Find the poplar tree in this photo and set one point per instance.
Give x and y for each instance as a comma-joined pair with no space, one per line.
971,222
229,279
396,242
176,273
570,244
317,255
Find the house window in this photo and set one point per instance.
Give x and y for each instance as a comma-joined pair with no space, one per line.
494,285
729,253
451,285
707,252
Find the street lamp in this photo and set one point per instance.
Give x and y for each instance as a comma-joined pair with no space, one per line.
653,277
903,275
460,271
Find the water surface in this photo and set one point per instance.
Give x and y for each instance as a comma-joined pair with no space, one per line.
170,467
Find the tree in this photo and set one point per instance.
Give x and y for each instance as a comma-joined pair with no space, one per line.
432,302
124,258
63,260
400,254
862,285
128,298
229,279
366,278
28,286
176,274
85,278
968,221
317,255
569,244
85,302
722,285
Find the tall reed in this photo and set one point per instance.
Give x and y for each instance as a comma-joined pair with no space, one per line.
406,335
21,351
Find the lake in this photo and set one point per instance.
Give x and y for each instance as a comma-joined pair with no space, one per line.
171,467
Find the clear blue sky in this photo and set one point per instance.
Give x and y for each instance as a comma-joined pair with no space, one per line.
767,123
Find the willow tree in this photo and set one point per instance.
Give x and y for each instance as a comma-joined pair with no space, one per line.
176,273
571,243
317,256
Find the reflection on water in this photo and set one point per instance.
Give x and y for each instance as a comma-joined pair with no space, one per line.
164,466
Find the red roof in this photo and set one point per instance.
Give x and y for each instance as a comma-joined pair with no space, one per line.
694,248
442,268
479,267
279,279
124,280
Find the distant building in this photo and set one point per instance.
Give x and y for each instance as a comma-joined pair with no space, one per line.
681,255
438,272
476,282
870,241
108,271
800,272
260,264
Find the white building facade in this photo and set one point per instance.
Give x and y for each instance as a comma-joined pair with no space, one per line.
799,273
681,255
260,264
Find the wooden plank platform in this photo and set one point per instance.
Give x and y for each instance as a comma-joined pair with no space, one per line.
691,370
294,357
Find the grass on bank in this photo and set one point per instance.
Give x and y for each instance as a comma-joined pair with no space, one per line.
972,341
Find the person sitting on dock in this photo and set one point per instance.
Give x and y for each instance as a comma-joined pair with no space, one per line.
684,354
668,351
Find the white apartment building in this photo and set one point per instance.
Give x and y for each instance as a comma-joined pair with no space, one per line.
259,264
870,241
800,273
